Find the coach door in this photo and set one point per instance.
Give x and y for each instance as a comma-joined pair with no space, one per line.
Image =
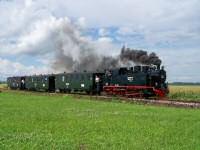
22,83
51,83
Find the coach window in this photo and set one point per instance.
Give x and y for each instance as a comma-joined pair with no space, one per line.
82,77
75,77
88,77
66,77
72,77
63,78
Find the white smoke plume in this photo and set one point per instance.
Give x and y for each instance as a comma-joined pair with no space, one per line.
61,42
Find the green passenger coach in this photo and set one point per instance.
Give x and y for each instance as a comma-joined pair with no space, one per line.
40,83
78,82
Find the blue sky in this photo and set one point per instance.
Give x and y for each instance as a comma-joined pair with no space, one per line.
29,30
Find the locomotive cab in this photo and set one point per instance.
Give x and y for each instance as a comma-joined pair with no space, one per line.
157,78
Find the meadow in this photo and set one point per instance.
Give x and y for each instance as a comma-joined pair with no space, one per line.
187,92
49,121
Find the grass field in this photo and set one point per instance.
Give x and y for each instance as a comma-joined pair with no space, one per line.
184,92
36,121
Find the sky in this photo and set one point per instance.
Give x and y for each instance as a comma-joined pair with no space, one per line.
31,31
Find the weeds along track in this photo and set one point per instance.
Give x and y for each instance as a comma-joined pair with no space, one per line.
172,103
163,102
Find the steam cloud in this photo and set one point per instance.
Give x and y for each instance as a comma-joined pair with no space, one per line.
139,57
91,62
68,50
77,53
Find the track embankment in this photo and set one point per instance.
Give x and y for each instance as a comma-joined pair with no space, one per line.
172,103
163,102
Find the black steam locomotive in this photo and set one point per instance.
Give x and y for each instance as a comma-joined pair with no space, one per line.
138,81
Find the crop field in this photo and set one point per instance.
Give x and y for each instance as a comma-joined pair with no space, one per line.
190,93
43,121
3,86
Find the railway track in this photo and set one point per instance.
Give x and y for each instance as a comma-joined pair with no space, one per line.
157,102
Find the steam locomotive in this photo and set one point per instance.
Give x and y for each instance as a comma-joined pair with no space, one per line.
137,81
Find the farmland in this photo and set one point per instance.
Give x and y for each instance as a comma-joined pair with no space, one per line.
43,121
3,86
187,92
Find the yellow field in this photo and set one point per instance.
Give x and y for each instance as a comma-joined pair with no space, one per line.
186,89
184,92
3,86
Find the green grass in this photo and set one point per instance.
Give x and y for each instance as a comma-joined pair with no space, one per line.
36,121
187,92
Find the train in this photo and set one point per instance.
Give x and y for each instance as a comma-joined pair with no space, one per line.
138,81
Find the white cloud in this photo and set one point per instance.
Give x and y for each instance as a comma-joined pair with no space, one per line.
29,27
103,32
62,39
81,23
40,39
181,64
105,39
124,31
105,46
10,68
28,3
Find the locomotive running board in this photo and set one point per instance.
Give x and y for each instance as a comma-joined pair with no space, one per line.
133,91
